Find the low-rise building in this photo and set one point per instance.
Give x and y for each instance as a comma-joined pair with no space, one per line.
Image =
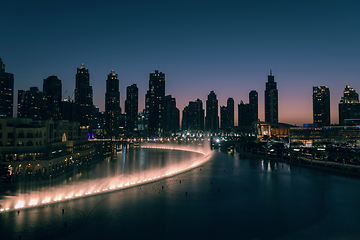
42,147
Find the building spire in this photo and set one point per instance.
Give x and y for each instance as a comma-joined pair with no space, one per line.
270,72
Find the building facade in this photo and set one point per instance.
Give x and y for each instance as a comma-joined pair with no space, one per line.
193,116
224,118
52,89
32,104
39,147
171,115
349,106
230,113
6,92
244,114
112,105
84,108
321,106
254,105
212,113
132,108
155,100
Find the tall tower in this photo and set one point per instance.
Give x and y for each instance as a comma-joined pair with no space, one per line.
155,98
224,118
271,100
52,89
230,113
244,114
171,115
84,107
321,106
6,92
212,113
253,102
349,106
112,105
131,108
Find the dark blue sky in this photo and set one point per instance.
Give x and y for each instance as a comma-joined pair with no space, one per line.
225,46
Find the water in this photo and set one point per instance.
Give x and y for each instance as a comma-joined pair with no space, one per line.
230,197
126,169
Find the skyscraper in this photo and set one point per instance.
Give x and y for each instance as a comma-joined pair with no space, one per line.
84,107
230,113
253,102
131,108
244,114
171,115
155,97
112,105
321,106
33,105
224,118
193,116
6,92
248,113
349,106
271,100
212,113
52,89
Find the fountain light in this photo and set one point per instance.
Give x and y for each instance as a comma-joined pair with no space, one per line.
19,205
84,189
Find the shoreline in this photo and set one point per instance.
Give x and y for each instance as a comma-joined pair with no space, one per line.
332,167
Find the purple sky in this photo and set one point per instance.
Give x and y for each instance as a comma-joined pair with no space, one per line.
225,46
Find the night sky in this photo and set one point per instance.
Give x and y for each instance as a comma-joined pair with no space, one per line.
225,46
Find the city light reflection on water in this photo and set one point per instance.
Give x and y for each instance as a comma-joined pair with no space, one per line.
128,174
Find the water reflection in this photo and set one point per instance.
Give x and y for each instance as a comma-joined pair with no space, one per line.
130,167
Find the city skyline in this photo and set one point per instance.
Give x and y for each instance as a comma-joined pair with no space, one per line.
334,119
226,47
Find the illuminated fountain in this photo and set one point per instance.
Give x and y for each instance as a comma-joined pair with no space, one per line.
119,181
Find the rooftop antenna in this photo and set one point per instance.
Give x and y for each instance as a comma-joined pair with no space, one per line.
270,72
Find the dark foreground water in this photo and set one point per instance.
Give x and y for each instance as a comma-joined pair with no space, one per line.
226,198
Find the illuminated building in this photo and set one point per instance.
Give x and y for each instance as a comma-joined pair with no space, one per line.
112,105
52,89
38,147
271,100
155,102
349,106
131,108
33,104
84,108
212,115
6,92
272,130
321,106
